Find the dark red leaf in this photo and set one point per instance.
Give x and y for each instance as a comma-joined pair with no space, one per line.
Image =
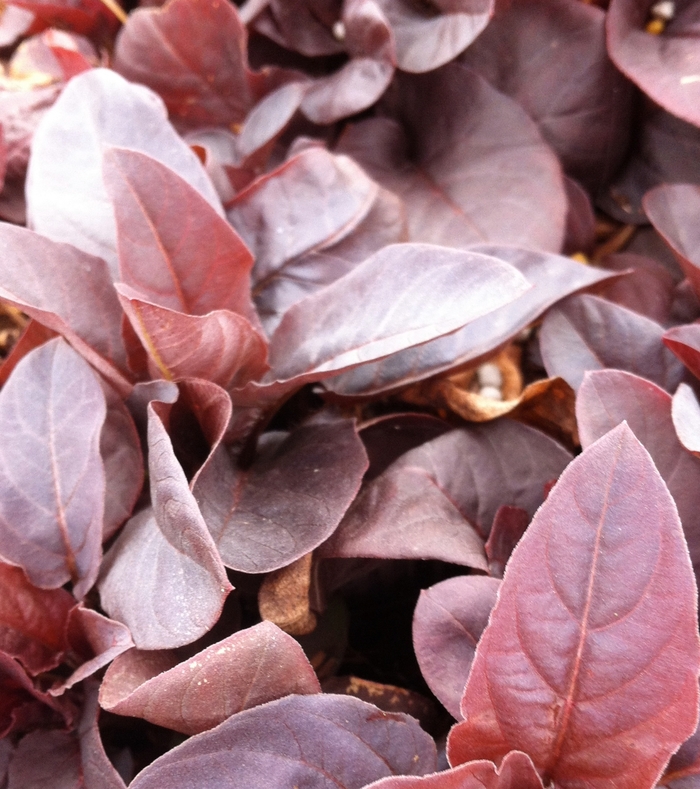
288,502
608,397
580,220
447,624
589,333
684,768
32,621
220,346
52,483
70,292
33,335
163,226
425,39
247,669
193,53
438,501
579,100
66,196
509,524
65,759
459,131
304,26
592,648
516,772
322,740
163,576
684,341
664,66
553,277
648,288
672,209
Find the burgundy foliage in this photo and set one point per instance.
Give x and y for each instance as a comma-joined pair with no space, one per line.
349,394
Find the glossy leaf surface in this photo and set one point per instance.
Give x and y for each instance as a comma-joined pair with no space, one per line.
164,225
553,277
66,196
601,641
52,484
685,412
247,669
320,741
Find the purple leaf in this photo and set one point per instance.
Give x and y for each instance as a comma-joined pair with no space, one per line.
120,449
384,224
553,277
304,26
684,341
685,412
664,66
447,624
608,397
438,501
288,502
594,634
52,483
193,54
516,772
589,333
220,346
579,100
66,196
164,225
460,131
163,577
426,40
48,281
648,288
509,524
434,291
672,209
247,669
321,741
312,201
580,220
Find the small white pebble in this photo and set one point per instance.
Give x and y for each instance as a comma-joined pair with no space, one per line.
489,374
339,30
665,9
491,392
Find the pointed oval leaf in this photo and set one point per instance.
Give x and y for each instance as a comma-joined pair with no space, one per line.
163,576
553,277
32,621
321,741
221,346
434,291
70,292
685,412
589,333
428,37
247,669
664,66
592,647
66,196
311,201
286,503
516,772
52,483
458,132
447,624
672,209
684,341
608,397
438,501
193,53
164,225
